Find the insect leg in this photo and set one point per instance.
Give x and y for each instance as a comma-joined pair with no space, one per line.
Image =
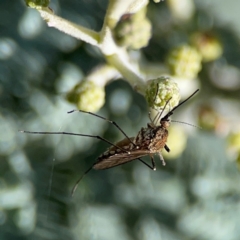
79,180
153,163
76,134
153,167
110,121
162,159
167,148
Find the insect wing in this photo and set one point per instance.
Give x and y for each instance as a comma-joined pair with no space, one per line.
119,159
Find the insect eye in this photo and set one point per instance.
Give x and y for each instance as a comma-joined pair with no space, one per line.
165,123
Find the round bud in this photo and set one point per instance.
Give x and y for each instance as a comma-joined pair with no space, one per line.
160,91
133,30
184,62
87,96
208,45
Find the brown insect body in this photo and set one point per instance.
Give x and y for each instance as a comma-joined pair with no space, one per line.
149,140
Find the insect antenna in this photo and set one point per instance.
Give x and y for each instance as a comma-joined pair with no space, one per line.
189,124
171,112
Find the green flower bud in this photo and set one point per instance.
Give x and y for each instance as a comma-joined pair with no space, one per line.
184,62
133,30
208,45
161,90
87,96
38,4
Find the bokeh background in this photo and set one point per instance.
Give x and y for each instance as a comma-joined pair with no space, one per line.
196,196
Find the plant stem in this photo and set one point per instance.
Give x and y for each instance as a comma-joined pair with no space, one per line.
70,28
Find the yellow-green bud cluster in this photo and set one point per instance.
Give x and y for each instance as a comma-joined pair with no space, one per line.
38,4
161,90
133,30
185,62
208,45
87,96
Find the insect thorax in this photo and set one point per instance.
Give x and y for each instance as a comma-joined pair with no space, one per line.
152,138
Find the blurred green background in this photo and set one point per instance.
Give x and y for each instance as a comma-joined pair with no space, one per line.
196,196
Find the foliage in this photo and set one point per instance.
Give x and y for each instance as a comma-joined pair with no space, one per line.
195,196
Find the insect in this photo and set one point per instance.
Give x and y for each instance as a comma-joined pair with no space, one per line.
149,141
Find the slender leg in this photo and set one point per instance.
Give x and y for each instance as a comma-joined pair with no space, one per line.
79,180
162,159
76,134
153,167
167,148
110,121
